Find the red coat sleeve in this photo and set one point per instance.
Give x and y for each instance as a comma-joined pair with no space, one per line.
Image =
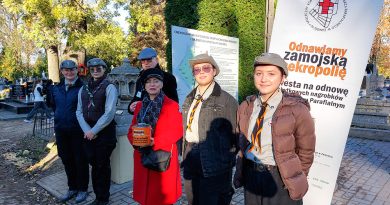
133,122
169,128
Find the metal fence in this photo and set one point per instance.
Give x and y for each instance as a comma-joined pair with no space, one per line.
43,126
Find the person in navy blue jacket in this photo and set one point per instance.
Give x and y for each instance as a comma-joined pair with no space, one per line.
69,135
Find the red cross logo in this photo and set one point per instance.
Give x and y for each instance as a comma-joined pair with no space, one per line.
326,4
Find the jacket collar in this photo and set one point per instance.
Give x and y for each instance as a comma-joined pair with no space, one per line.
78,82
216,91
288,99
293,98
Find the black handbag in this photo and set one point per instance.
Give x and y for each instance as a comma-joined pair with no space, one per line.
156,160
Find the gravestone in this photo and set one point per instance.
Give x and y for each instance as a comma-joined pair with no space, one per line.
17,91
29,88
371,118
373,81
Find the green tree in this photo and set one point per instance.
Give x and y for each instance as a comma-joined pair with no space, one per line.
9,67
105,40
40,65
16,47
49,23
380,51
147,28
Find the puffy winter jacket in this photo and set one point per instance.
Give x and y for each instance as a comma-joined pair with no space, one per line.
293,139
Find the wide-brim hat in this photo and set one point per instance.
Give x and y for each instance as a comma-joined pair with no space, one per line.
152,73
204,58
271,59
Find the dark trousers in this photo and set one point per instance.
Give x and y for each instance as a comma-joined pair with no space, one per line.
98,153
34,111
263,186
71,152
214,190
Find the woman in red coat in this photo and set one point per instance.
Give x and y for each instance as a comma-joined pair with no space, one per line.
153,187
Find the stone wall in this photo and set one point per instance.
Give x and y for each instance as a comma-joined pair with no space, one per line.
366,105
371,119
373,114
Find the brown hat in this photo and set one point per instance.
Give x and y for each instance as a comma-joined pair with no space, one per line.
204,58
271,59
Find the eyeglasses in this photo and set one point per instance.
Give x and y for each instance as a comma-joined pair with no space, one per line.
205,68
95,69
149,60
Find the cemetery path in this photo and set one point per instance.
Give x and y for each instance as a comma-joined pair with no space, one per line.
18,152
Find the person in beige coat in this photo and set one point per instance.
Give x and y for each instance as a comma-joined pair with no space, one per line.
276,138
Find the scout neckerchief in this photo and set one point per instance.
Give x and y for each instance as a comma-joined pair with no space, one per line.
199,99
150,110
256,133
94,86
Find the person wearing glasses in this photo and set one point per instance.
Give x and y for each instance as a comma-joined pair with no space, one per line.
209,120
95,112
162,114
276,138
148,59
69,135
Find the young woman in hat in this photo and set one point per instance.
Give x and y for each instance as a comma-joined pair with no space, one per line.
277,139
162,115
209,119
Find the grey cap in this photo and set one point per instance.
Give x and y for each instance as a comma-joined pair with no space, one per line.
204,58
96,62
68,64
147,53
271,59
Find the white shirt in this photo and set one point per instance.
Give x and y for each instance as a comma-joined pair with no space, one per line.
193,135
266,156
37,96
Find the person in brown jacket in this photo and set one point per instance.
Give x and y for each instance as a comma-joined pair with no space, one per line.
276,138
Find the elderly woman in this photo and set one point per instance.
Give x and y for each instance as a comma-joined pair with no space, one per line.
162,114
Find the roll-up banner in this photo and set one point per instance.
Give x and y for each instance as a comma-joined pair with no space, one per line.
326,44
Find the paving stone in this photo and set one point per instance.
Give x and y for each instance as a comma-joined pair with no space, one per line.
378,202
363,179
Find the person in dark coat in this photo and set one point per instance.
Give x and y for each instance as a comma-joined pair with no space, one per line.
95,112
209,120
148,59
69,136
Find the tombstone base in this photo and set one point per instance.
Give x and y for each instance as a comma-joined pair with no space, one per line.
367,133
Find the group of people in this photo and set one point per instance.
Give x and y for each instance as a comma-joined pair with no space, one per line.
269,137
85,129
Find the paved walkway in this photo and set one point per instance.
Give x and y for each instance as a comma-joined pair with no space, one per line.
363,178
364,175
